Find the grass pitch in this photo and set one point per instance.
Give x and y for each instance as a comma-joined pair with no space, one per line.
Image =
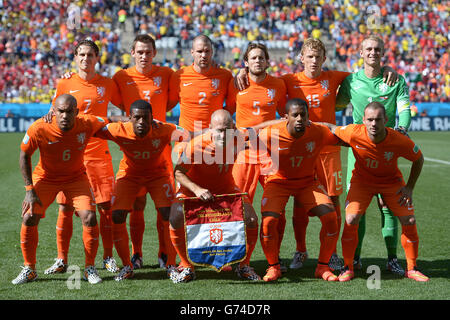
431,198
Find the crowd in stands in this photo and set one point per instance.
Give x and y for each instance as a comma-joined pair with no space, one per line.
36,45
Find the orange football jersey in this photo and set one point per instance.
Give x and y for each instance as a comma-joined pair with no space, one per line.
199,94
293,160
152,87
142,156
93,97
319,93
259,102
61,152
376,163
207,166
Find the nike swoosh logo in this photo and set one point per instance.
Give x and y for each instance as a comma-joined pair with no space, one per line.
131,82
331,234
242,93
73,91
53,142
362,148
187,84
298,87
338,188
282,148
410,208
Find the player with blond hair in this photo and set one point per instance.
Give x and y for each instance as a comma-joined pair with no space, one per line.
359,89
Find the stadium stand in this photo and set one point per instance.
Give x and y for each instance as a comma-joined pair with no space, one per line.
36,44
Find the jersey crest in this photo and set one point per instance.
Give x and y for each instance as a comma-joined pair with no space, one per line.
310,146
271,93
156,143
388,155
101,91
157,81
81,137
383,87
215,83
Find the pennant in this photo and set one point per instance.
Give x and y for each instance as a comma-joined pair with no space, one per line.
215,231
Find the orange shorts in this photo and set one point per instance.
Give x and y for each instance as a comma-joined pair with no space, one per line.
127,188
183,192
329,172
360,195
101,178
276,195
78,192
167,154
246,177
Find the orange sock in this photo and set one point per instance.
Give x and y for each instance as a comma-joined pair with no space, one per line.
106,232
330,236
300,222
137,228
161,234
29,239
169,249
281,227
90,241
269,238
339,221
121,242
410,243
64,230
178,238
349,242
252,238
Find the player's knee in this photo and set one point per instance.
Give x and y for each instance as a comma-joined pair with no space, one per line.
251,219
139,203
408,220
88,218
176,216
165,213
66,208
104,205
352,219
30,220
119,216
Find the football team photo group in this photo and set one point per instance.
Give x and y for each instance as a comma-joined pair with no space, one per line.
234,160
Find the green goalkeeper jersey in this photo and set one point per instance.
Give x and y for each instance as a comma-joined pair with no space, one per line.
359,90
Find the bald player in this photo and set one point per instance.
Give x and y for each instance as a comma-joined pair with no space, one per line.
61,144
200,88
195,180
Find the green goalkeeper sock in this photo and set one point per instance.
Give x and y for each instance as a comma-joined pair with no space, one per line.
389,225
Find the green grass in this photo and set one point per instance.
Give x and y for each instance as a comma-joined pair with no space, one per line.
431,200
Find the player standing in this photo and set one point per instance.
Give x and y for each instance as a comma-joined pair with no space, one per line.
318,88
93,93
294,158
200,88
148,82
367,86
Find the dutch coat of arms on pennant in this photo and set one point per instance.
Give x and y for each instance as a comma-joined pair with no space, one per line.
215,231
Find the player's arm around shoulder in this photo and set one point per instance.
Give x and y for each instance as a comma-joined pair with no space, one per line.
344,93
